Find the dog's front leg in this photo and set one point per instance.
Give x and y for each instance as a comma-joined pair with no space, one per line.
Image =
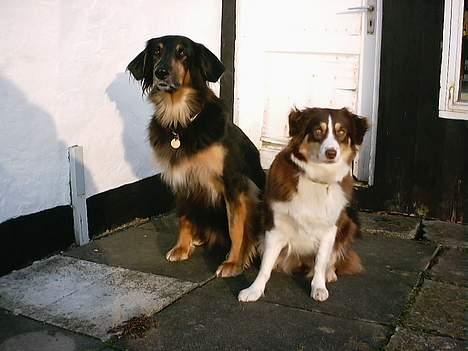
184,247
319,291
273,247
237,216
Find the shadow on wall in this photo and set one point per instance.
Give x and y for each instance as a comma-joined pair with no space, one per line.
34,167
136,114
34,176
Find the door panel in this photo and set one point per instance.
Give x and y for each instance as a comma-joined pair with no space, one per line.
304,53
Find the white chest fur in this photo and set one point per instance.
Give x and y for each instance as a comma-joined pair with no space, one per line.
309,215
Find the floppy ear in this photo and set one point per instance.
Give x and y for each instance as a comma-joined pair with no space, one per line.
141,68
211,67
296,124
361,125
137,66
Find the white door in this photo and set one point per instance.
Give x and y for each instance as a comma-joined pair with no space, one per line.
320,53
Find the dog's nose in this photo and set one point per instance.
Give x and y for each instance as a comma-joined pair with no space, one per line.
330,153
161,73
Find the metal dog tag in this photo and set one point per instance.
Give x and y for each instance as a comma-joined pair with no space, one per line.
175,143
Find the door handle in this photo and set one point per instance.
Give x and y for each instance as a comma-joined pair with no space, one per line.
368,8
370,14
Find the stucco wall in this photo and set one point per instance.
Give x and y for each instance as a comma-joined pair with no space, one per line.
63,82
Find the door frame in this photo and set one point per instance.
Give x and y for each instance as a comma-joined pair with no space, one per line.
366,169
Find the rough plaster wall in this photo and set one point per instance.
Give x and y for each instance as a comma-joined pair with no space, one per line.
63,82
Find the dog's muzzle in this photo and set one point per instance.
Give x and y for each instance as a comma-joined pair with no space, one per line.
163,80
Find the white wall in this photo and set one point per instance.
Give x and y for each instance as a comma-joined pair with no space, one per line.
63,82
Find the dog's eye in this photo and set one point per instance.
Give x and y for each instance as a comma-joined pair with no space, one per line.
341,132
157,52
318,133
181,52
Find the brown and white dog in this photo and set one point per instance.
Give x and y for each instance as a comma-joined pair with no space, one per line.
308,190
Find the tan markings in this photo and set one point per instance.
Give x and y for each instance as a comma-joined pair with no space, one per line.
210,160
187,80
203,169
179,70
237,214
217,185
175,108
309,149
337,126
324,127
241,214
348,153
183,249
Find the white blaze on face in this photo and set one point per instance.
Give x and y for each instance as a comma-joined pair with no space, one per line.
329,143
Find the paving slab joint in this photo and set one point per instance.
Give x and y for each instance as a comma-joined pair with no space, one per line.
415,291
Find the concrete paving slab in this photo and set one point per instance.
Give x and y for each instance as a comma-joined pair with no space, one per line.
90,303
439,308
144,249
447,234
379,294
404,340
451,267
394,254
211,318
23,334
393,226
44,282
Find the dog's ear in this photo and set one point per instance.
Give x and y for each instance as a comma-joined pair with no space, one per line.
141,68
296,122
361,125
137,66
211,67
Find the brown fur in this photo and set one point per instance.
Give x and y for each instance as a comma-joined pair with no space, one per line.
347,260
237,218
184,246
281,183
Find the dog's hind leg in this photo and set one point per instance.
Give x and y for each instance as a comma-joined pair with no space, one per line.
273,246
184,247
237,218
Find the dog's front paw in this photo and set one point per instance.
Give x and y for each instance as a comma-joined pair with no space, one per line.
228,269
178,253
319,294
250,294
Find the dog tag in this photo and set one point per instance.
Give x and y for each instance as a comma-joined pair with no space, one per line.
175,143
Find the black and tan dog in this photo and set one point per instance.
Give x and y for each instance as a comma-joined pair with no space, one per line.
211,165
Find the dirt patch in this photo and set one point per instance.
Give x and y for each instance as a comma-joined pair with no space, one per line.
134,328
